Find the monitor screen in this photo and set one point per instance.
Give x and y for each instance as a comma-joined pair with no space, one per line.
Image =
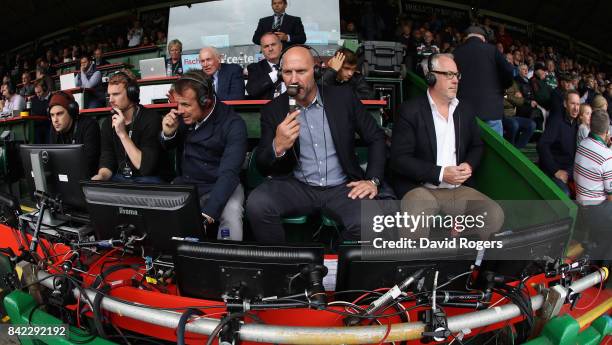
56,170
157,212
218,270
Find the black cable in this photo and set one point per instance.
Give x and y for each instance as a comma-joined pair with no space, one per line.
224,321
180,328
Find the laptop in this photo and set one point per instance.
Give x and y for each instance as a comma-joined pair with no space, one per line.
151,68
67,81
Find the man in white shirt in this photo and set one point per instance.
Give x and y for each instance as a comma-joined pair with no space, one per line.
12,100
435,149
134,35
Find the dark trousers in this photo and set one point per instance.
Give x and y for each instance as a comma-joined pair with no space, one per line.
278,198
520,130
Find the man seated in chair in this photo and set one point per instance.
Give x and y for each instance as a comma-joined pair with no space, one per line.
212,141
310,154
435,150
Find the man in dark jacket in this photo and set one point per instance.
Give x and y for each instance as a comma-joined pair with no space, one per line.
310,154
264,80
227,77
342,70
212,142
485,75
288,28
557,146
69,128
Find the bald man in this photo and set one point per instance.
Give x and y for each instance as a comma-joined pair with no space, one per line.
310,155
227,78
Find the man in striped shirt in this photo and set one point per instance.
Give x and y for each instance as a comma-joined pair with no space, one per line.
593,163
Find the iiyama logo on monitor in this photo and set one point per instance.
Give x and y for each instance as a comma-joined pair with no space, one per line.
128,212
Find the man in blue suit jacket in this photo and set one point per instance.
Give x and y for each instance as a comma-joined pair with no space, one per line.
227,79
289,29
211,142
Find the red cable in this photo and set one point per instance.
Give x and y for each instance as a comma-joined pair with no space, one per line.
596,296
382,341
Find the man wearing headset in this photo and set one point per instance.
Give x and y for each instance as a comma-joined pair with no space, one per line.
69,128
130,138
310,154
435,150
12,100
212,142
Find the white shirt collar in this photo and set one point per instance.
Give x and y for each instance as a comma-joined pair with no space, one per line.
453,103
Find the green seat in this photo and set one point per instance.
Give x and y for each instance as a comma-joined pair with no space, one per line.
254,179
327,222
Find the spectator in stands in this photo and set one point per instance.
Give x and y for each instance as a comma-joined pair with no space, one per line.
88,77
146,41
599,102
489,32
288,28
557,99
542,92
70,128
227,78
518,129
485,75
99,59
550,54
500,47
557,146
432,162
301,184
12,100
264,81
593,164
174,64
207,122
426,48
27,88
130,146
41,75
530,108
40,102
551,76
608,95
504,38
160,38
45,66
342,70
406,38
120,43
50,57
584,122
134,35
588,90
517,57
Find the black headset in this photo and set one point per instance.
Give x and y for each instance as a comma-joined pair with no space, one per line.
430,77
132,88
318,70
205,91
73,106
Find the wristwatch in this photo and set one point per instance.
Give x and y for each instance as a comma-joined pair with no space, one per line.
375,181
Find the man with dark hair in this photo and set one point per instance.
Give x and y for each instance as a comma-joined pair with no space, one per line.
342,70
212,142
263,79
40,102
27,88
557,146
12,100
69,128
130,138
289,29
310,154
99,59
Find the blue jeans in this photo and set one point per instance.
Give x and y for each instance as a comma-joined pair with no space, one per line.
136,179
520,130
497,126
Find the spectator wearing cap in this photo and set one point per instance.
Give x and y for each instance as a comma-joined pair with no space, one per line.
485,74
558,95
542,92
69,128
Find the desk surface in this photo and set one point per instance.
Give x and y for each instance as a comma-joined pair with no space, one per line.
24,118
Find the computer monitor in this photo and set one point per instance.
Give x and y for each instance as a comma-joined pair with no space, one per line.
56,170
160,212
368,268
217,270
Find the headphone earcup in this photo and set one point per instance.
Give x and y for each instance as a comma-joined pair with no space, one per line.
133,92
430,78
318,71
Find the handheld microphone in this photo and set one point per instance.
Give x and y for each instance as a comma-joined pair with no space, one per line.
113,112
292,91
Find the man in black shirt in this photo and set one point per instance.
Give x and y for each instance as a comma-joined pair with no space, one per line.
69,128
131,151
342,70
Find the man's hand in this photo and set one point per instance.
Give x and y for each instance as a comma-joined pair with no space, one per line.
465,167
336,61
456,175
170,123
362,189
282,36
562,175
102,175
118,123
286,133
534,104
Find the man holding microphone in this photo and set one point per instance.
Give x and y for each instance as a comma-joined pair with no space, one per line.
211,142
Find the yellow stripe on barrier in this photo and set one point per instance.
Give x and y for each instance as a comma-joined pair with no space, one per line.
594,313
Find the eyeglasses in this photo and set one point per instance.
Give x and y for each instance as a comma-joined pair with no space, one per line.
449,75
